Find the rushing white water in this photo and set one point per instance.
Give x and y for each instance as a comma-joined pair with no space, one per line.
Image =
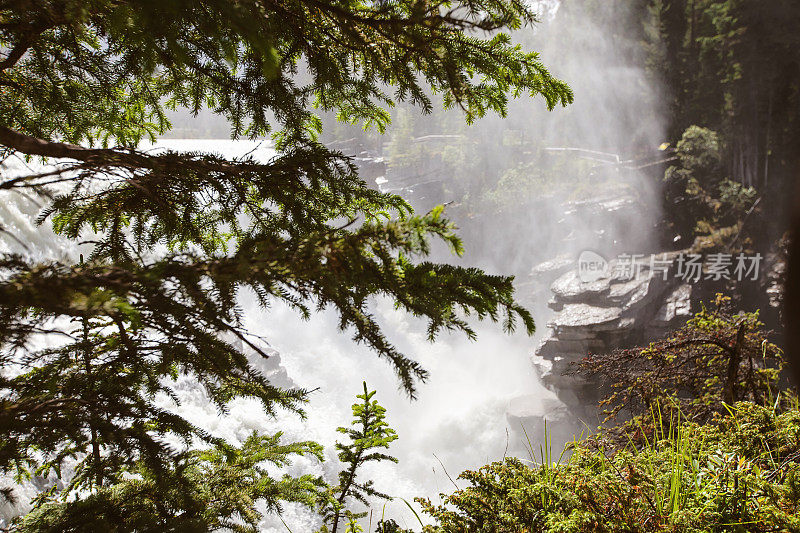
457,422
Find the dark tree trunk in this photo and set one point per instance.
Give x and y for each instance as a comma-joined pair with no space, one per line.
791,299
673,32
729,394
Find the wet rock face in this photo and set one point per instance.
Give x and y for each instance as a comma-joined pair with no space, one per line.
586,319
625,306
268,362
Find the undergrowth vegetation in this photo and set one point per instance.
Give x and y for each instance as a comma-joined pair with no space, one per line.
740,474
686,460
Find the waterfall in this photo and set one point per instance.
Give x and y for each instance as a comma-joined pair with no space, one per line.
460,419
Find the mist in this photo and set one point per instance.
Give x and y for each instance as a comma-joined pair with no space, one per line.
481,394
467,413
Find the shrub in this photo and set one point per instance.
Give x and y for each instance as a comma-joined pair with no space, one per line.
698,192
742,474
711,446
717,357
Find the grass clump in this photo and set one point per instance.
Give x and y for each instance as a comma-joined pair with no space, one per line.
706,446
739,474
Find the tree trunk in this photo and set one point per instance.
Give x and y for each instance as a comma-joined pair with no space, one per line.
729,394
87,361
791,297
351,475
673,32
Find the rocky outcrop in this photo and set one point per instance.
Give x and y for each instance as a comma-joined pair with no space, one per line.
268,362
624,306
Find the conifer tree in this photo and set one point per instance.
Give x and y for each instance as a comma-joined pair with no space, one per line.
176,236
368,434
208,490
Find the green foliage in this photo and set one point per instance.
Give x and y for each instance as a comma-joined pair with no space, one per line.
177,236
390,526
520,184
560,177
119,62
717,358
730,65
698,193
93,397
700,155
450,164
369,433
711,447
736,196
402,152
201,490
740,475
